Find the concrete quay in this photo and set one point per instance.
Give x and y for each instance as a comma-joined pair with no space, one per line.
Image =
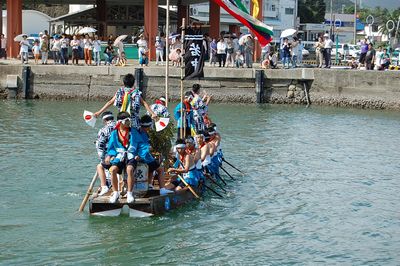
337,87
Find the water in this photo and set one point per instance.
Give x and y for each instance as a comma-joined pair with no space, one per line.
321,187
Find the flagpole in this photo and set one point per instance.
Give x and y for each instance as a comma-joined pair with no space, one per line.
183,126
166,54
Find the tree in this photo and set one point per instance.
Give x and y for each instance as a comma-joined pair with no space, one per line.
311,11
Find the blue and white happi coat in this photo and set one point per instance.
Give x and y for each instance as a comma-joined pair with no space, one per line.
103,137
134,103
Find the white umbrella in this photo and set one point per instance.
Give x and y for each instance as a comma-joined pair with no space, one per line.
288,32
19,38
243,38
119,39
86,30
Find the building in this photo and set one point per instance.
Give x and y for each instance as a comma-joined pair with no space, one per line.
280,14
33,22
343,26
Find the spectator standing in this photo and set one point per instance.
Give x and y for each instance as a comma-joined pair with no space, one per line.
213,52
88,47
363,52
160,45
56,49
108,54
370,57
319,51
248,51
295,51
75,44
300,55
230,52
285,52
378,59
96,50
24,44
328,44
44,49
81,48
110,40
385,60
221,52
142,47
36,51
3,47
64,49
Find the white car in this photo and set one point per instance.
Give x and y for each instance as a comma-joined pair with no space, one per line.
354,50
342,50
305,52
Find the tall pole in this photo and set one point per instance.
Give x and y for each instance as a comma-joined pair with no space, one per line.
330,28
355,22
166,54
183,125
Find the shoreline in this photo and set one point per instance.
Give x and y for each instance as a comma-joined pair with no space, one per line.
327,87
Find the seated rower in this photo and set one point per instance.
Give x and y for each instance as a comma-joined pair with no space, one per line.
213,167
103,137
217,140
143,153
186,168
204,150
196,153
121,154
159,108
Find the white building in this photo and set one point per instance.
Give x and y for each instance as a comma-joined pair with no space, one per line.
33,22
280,14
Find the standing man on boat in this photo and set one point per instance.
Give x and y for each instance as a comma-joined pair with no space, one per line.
128,99
200,107
159,108
103,137
186,122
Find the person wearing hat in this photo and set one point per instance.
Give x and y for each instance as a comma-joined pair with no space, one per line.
142,44
103,136
159,108
24,49
144,154
160,45
186,122
328,44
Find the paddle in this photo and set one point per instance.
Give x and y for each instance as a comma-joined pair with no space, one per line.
215,182
88,192
190,188
232,166
220,177
212,190
226,172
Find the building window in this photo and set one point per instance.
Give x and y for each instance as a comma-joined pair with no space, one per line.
273,8
289,11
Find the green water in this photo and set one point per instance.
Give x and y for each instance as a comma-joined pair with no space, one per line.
321,188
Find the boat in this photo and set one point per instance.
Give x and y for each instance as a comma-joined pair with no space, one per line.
148,202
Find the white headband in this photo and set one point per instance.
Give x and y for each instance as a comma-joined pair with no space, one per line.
180,146
162,99
148,124
108,116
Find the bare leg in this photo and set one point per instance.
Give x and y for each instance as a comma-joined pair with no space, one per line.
102,174
114,178
160,175
131,181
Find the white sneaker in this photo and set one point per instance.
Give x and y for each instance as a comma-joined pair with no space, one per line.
114,197
164,191
104,190
129,197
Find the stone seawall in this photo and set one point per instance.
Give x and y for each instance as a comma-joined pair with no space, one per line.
338,87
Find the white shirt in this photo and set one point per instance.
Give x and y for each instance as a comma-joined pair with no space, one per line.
142,44
96,46
87,43
328,44
221,46
24,46
4,43
36,49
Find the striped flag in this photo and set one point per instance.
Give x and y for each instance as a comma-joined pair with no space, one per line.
236,8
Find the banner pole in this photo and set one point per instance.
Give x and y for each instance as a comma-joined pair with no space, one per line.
183,125
166,54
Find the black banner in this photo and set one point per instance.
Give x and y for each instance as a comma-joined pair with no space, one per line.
194,54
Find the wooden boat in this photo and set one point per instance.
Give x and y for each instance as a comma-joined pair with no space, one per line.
147,202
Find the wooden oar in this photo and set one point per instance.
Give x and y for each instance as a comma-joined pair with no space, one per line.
232,166
88,192
226,172
190,188
215,182
212,190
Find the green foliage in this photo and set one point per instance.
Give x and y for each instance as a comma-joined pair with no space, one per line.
312,11
161,142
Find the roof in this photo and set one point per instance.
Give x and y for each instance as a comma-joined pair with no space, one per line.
4,13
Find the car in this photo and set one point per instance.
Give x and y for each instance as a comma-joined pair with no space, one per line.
342,51
354,50
305,53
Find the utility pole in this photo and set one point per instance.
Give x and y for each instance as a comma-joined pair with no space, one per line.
355,22
331,24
